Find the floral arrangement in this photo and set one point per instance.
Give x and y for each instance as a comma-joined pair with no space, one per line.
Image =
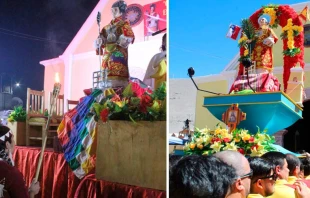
292,36
134,103
18,115
206,142
289,32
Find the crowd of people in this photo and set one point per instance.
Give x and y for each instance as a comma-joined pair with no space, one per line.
229,174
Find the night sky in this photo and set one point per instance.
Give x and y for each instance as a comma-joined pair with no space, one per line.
36,30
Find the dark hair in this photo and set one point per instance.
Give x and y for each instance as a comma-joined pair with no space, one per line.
4,130
121,5
153,5
173,160
200,176
292,162
306,165
276,158
163,47
261,168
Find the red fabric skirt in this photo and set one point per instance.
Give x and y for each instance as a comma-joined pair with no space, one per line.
259,82
58,181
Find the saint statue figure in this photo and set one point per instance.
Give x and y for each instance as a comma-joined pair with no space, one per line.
232,117
264,40
115,38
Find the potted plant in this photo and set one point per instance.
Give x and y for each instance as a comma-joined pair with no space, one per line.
17,124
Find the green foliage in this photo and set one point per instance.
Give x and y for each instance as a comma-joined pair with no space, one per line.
283,35
18,115
249,30
291,52
133,105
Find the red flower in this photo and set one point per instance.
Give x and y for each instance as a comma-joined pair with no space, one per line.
137,90
251,140
115,98
241,150
146,101
253,147
226,140
104,115
216,139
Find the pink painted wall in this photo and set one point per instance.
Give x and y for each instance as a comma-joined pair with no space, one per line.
55,65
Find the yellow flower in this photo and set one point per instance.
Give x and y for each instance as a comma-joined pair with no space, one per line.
272,14
246,137
216,146
246,52
300,28
290,46
260,138
237,139
225,134
255,153
243,38
200,146
207,139
192,146
199,140
203,131
217,131
230,146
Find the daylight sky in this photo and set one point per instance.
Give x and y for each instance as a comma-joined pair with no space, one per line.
198,33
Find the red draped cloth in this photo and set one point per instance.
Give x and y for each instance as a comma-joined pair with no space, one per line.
58,181
264,82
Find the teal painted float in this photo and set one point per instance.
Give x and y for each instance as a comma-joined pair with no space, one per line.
273,111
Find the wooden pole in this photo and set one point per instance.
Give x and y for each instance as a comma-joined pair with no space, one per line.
54,97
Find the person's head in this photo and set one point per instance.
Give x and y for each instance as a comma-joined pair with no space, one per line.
118,8
279,161
293,164
152,7
264,177
173,160
306,165
241,187
263,20
200,176
7,144
163,43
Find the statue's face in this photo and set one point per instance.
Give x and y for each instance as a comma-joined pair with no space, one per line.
263,22
115,12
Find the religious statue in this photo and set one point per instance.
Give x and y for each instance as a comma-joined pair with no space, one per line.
115,38
260,50
265,38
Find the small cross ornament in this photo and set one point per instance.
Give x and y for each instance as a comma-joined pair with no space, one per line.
233,116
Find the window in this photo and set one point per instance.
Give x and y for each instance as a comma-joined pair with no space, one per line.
307,35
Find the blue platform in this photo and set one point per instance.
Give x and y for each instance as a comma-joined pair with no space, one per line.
273,111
